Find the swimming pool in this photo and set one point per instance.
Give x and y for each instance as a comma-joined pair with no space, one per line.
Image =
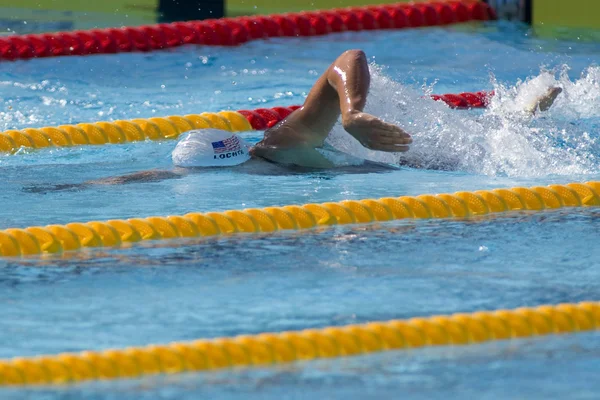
182,290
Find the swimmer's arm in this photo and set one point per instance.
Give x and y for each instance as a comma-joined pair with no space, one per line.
341,90
137,177
144,176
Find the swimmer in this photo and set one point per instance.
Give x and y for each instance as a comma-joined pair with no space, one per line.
341,90
298,142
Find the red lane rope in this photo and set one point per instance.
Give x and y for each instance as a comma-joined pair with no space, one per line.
465,100
264,118
235,31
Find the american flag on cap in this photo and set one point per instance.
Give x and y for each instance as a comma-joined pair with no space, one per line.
226,145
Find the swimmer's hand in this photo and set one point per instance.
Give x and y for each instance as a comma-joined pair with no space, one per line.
545,101
375,134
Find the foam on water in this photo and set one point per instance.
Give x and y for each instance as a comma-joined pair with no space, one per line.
503,140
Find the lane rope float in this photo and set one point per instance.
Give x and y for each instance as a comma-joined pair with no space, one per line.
267,349
466,100
160,128
235,31
56,239
156,128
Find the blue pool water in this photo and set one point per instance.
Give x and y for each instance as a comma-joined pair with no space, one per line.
183,290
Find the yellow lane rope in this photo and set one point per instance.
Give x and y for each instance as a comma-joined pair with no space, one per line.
123,131
74,236
275,348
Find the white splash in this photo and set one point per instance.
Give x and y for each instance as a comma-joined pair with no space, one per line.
503,140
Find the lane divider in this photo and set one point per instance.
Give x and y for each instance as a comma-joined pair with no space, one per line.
161,128
235,31
56,239
157,128
466,100
268,349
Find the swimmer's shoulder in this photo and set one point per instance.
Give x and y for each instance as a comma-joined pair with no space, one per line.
296,156
315,159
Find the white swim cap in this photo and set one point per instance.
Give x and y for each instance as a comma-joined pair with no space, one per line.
210,148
